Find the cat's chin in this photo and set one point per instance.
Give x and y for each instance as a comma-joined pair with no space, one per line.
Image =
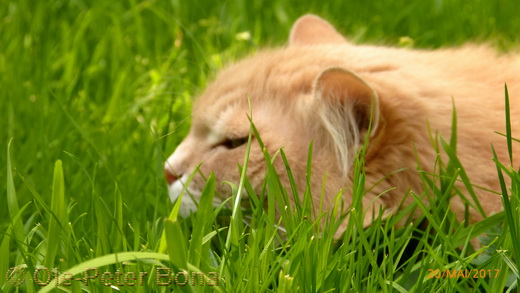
189,199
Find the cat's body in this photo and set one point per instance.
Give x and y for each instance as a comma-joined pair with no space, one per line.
321,88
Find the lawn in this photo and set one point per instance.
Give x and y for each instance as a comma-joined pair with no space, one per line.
97,94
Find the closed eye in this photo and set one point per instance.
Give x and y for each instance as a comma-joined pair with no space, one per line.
234,143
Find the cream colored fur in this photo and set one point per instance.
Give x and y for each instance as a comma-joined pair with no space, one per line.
324,89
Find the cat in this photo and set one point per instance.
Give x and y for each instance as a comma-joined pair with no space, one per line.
324,89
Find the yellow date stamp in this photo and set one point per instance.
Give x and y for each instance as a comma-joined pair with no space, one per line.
463,273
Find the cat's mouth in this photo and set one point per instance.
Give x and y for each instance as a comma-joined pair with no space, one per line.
190,196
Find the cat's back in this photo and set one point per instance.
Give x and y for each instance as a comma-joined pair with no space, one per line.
467,71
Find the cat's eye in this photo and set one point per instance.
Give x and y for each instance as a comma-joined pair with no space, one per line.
234,143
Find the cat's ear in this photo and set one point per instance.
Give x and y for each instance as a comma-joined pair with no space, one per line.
346,94
311,30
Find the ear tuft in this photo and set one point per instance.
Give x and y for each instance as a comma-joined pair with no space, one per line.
348,110
311,30
345,90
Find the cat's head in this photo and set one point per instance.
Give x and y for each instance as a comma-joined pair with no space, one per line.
294,95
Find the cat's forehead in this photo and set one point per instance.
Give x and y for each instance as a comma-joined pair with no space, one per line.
269,77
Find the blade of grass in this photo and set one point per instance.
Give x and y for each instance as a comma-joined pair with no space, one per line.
15,230
176,244
58,217
478,228
200,225
175,210
119,243
454,160
102,239
511,221
232,236
12,201
292,182
5,251
453,138
510,263
432,221
5,247
508,125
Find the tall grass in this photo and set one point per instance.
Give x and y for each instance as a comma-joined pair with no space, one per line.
96,94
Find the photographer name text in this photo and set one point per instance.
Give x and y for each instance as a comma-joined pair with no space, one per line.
164,276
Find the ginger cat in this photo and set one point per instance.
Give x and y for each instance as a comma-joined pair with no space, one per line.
324,89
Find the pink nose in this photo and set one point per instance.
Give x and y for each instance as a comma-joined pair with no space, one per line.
170,177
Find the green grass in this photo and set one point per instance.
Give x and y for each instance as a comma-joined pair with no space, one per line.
96,94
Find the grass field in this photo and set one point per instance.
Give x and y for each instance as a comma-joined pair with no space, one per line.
95,96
